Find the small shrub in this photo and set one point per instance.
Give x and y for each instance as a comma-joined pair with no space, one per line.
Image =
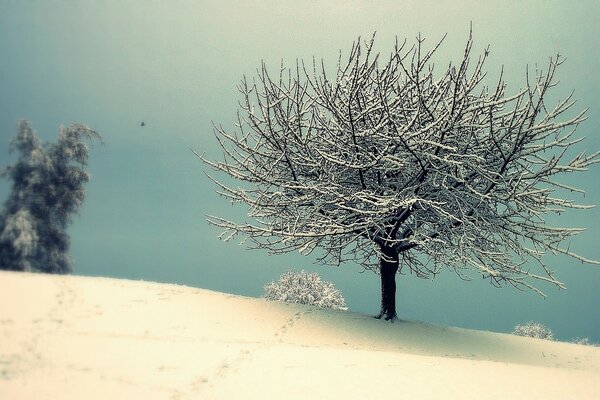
534,330
305,288
583,342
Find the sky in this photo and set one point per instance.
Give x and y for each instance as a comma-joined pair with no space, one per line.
175,65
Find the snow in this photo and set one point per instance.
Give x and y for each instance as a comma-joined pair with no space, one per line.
70,337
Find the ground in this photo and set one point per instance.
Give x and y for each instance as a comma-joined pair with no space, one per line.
69,337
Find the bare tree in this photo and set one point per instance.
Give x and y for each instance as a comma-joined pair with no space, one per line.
387,161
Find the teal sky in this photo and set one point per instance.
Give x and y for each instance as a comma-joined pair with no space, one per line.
176,64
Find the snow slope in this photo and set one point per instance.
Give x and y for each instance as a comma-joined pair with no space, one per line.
69,337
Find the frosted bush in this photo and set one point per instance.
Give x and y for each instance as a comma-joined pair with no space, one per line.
583,342
305,288
534,330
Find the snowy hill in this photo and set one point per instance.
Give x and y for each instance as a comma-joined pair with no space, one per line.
69,337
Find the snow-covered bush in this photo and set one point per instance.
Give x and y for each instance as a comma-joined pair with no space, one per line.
583,342
305,288
534,330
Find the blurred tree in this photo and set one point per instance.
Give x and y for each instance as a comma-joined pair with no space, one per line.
47,188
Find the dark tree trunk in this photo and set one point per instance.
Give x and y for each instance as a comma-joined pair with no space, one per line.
388,266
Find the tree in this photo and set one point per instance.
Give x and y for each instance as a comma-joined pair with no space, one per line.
47,188
388,161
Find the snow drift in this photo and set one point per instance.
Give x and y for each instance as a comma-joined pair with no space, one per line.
69,337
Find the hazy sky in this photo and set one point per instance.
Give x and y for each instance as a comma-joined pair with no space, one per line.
176,64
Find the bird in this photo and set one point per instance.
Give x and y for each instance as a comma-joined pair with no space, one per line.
143,123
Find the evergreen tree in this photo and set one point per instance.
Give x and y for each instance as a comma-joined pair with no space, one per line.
47,189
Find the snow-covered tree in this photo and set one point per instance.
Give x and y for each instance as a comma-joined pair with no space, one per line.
47,188
305,288
389,160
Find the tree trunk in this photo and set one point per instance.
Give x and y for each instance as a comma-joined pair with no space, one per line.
388,266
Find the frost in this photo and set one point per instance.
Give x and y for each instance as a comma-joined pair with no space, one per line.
18,229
